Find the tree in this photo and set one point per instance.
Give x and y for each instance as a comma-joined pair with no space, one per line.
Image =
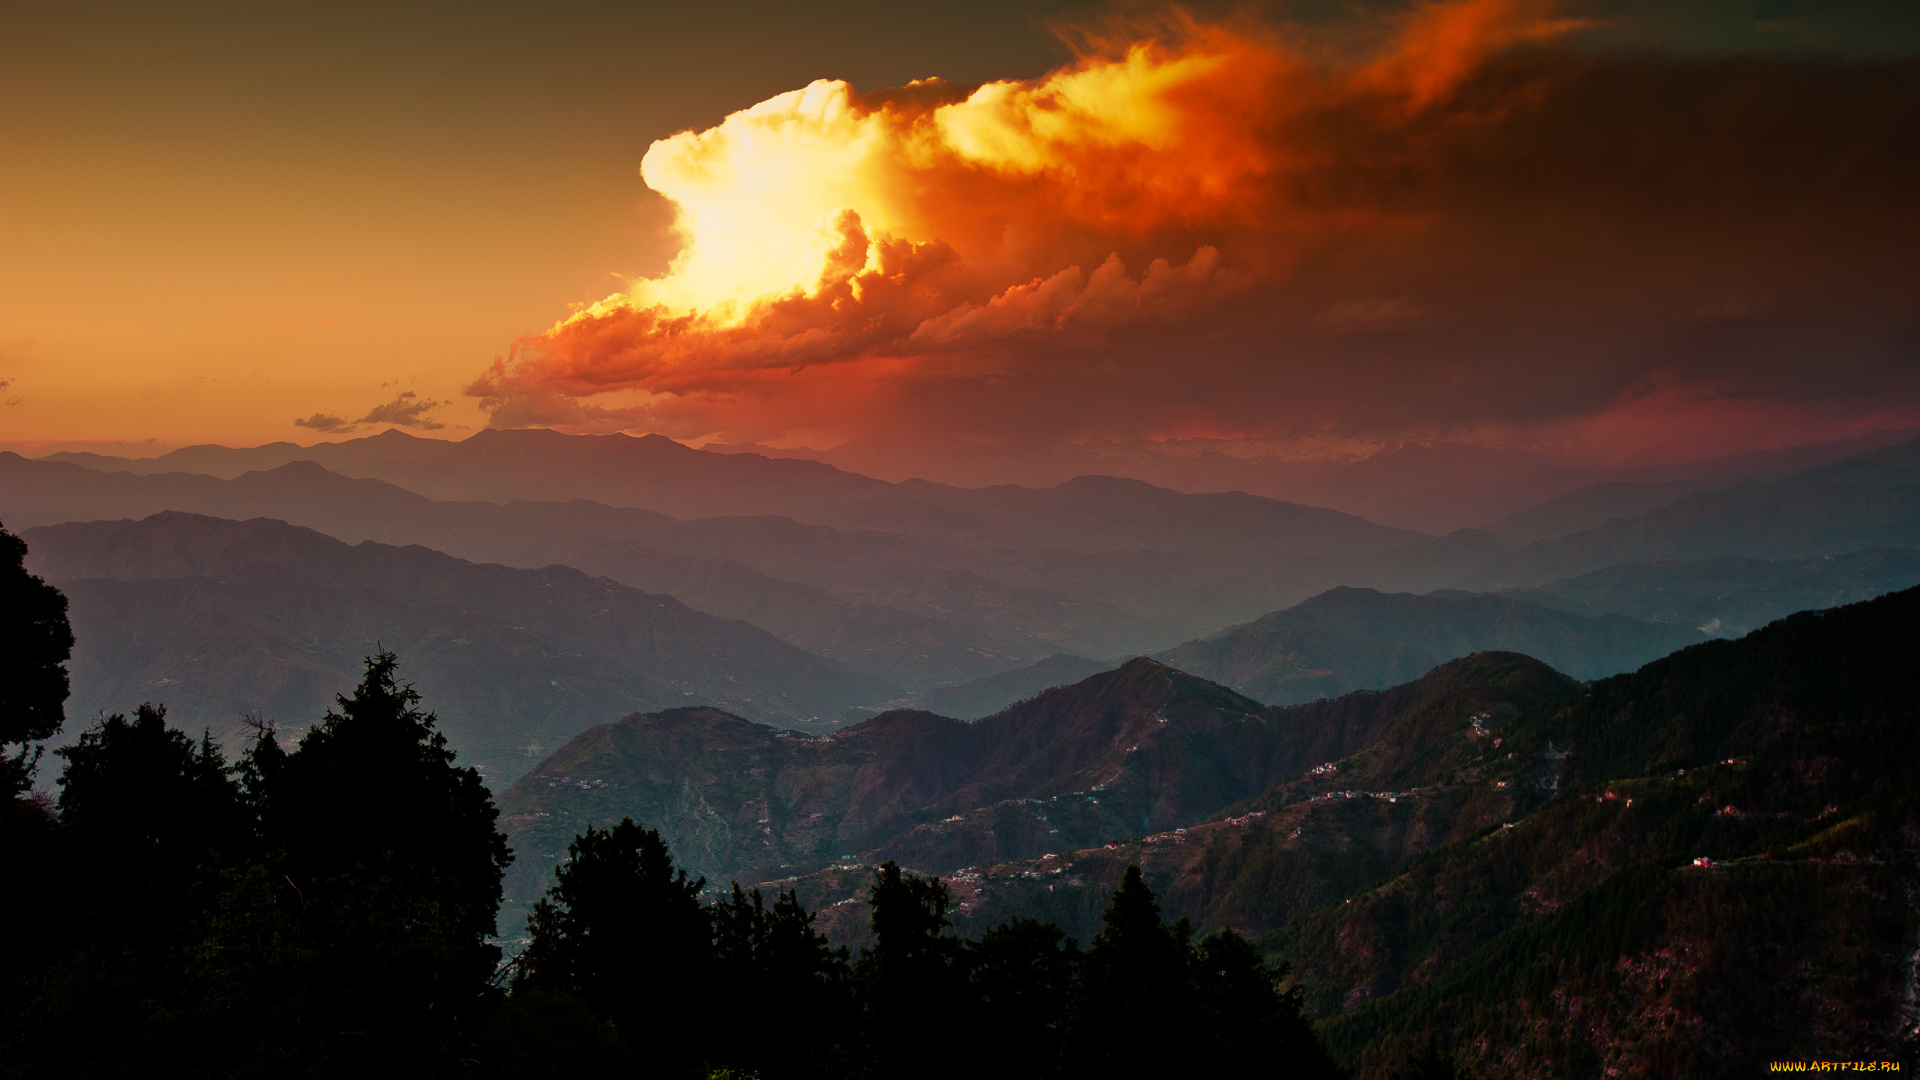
1248,1021
622,931
1136,1008
35,642
368,914
912,982
794,970
1024,974
150,815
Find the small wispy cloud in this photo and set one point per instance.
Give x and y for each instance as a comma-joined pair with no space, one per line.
407,409
325,422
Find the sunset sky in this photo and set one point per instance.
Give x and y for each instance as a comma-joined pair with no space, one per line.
1602,231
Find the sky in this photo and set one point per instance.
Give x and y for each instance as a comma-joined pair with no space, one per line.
1605,232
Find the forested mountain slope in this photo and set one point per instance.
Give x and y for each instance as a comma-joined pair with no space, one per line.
1126,752
1522,885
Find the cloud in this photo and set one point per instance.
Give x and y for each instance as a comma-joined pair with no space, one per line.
325,422
407,409
1444,222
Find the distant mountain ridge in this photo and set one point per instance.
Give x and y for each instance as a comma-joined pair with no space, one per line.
696,560
989,694
1090,513
916,611
216,618
1850,506
1731,595
1349,639
1290,665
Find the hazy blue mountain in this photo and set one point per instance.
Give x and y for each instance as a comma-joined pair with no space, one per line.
989,694
957,624
1350,639
1729,596
1578,511
1090,513
1288,665
919,612
1864,502
218,618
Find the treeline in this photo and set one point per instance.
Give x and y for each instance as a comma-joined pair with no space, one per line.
757,991
329,908
303,912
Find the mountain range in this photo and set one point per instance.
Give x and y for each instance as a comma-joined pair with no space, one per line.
988,694
219,619
1126,752
1524,790
1730,595
1360,639
954,611
1690,869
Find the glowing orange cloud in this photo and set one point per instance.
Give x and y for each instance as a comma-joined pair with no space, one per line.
819,229
977,255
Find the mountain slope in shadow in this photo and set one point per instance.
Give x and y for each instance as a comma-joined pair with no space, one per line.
1689,869
1130,751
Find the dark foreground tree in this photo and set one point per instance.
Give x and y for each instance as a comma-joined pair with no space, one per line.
1155,1003
35,642
799,985
911,985
622,932
157,816
371,906
1136,1007
1429,1063
1251,1021
1024,974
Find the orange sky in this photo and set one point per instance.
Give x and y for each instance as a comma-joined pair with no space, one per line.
1497,219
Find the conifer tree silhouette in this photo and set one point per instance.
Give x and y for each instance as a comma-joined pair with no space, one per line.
35,642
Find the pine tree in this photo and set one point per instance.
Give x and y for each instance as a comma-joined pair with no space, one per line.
151,815
35,642
912,983
623,931
368,913
1247,1020
1024,975
1136,1009
777,951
